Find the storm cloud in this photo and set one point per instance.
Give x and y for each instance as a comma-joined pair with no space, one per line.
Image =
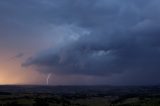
83,41
101,38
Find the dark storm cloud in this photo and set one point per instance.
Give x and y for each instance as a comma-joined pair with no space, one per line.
123,36
89,37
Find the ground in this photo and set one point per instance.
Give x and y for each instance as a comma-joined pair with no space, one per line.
79,96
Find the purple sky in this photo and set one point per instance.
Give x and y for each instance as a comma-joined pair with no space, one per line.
114,42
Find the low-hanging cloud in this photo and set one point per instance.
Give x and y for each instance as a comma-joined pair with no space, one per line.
112,36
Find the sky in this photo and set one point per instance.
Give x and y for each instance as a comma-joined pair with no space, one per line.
80,42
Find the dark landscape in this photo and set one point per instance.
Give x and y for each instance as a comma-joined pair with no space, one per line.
29,95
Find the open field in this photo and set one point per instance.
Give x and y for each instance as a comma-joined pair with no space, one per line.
79,95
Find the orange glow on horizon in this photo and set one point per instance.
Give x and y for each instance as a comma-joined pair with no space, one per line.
11,72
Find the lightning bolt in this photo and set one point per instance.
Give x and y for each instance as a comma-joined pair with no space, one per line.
47,79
